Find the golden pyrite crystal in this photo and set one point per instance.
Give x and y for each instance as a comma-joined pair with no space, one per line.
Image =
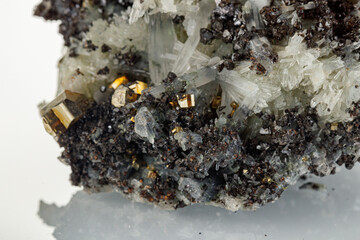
122,96
63,111
186,100
125,94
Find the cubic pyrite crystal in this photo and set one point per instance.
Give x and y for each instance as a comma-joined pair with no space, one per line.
222,102
63,111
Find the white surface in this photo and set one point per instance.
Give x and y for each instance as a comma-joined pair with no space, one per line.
29,50
331,214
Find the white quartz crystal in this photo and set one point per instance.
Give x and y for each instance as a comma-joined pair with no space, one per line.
162,39
145,124
328,81
141,8
198,20
119,34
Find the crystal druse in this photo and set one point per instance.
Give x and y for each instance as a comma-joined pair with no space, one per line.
221,102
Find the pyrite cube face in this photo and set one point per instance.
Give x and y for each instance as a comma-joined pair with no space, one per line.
138,87
186,101
119,98
63,111
119,81
122,96
52,124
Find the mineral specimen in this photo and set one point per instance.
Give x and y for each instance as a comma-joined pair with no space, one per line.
220,102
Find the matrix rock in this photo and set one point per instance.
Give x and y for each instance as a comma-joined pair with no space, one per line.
217,102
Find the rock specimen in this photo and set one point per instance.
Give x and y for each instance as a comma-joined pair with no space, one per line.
218,102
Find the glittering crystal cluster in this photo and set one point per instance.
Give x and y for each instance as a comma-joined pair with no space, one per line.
222,102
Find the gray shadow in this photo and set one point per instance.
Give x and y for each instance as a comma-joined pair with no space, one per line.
331,213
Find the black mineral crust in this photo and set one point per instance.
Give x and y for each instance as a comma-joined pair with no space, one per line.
332,20
104,150
75,14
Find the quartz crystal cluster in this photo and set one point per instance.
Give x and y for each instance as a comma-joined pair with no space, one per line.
221,102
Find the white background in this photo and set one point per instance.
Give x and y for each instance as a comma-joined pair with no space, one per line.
30,172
